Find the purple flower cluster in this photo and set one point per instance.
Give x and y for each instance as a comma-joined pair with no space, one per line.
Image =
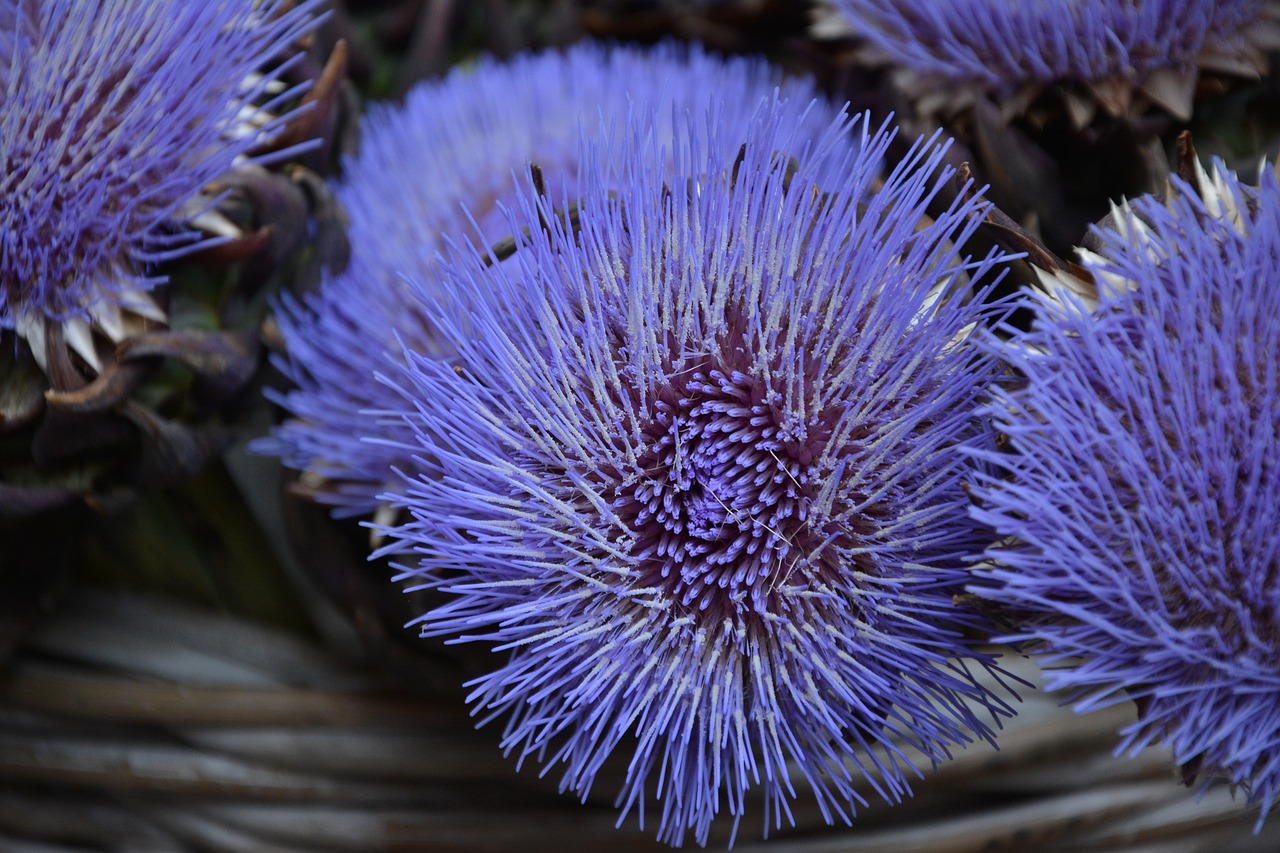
698,466
688,412
1001,45
1141,506
442,164
115,115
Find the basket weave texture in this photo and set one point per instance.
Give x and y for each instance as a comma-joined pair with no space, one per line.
135,724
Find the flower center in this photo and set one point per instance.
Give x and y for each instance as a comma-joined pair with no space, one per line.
721,510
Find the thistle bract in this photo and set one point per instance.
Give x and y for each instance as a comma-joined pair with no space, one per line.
115,115
438,165
697,464
1144,487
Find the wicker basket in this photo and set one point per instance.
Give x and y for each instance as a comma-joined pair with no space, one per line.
136,724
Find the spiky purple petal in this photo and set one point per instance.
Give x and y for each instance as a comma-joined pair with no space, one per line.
449,152
1144,490
698,466
115,114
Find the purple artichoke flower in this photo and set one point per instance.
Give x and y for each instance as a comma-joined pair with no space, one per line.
1143,490
698,465
116,114
425,169
1001,47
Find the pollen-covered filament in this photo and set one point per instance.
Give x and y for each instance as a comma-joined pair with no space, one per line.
721,508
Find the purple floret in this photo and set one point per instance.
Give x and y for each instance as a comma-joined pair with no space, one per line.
698,466
1001,45
1143,493
115,115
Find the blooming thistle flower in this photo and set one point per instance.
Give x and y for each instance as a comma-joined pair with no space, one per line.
1013,50
1143,489
698,465
116,114
448,152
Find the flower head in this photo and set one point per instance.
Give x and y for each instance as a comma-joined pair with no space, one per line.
439,165
1144,484
1000,47
116,113
698,464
